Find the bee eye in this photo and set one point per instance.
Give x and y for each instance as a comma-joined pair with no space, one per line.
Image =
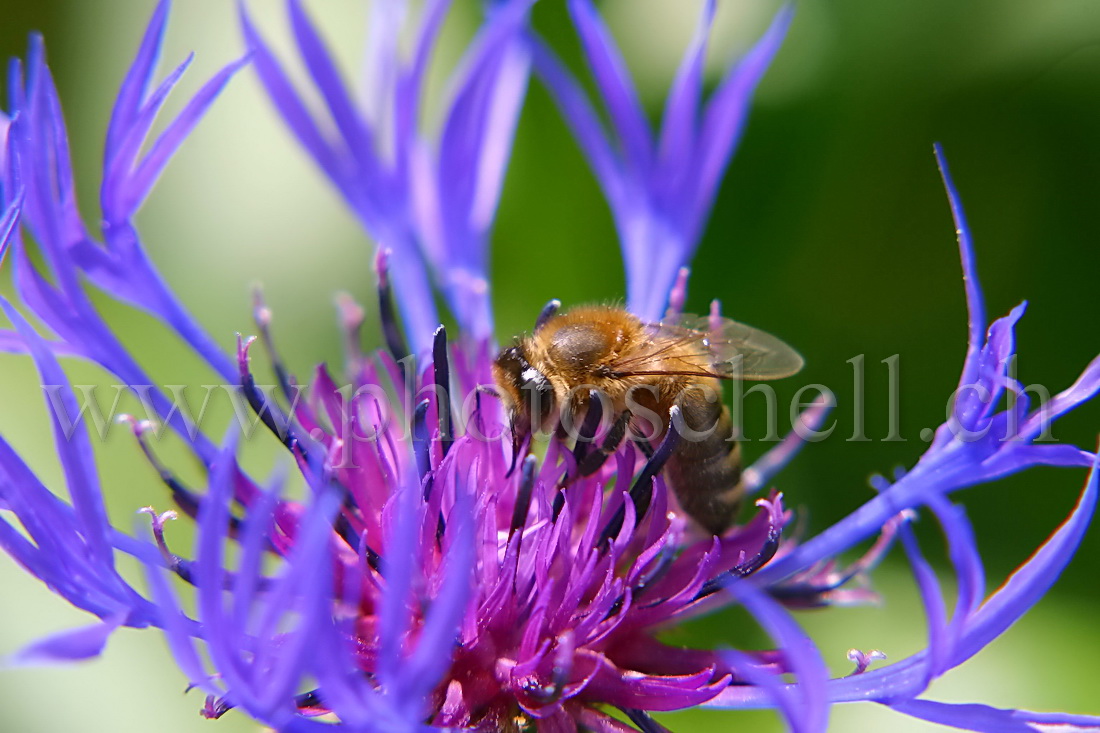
540,393
536,394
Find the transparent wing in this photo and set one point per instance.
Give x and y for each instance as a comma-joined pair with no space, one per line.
688,346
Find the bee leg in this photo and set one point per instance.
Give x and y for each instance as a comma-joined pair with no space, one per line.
547,313
592,462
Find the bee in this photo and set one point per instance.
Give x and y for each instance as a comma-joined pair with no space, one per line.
640,371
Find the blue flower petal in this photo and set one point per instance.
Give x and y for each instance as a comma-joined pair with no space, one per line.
71,441
802,656
357,137
75,645
583,121
293,111
725,115
173,136
137,80
679,124
9,222
993,720
616,88
1032,580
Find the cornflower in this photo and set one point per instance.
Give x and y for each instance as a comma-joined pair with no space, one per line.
425,582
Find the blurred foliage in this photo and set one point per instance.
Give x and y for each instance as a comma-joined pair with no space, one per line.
832,231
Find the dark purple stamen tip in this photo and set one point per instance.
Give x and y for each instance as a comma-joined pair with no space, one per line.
175,563
641,492
269,413
814,590
523,495
547,313
374,560
442,374
186,499
594,460
395,340
421,442
750,565
559,504
262,316
642,719
589,427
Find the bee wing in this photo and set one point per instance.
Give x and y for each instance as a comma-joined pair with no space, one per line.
732,351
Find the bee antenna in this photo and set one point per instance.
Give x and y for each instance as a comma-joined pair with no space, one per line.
547,313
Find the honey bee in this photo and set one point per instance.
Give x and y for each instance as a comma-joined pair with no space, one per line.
640,371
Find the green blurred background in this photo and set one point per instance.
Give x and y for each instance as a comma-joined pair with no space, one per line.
832,230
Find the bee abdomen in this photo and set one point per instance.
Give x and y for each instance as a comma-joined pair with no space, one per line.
705,473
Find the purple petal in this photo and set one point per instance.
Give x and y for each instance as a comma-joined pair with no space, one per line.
39,151
68,646
679,124
976,400
966,560
616,88
1033,579
508,92
932,599
860,524
114,199
57,554
172,137
410,87
293,110
74,449
968,717
9,222
359,139
768,681
975,303
725,116
1048,720
12,343
210,578
400,560
432,656
303,593
480,121
1022,590
583,121
1018,457
802,656
134,86
379,69
14,543
457,202
1084,389
254,544
178,630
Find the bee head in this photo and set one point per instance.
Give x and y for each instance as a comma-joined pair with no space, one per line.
526,390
